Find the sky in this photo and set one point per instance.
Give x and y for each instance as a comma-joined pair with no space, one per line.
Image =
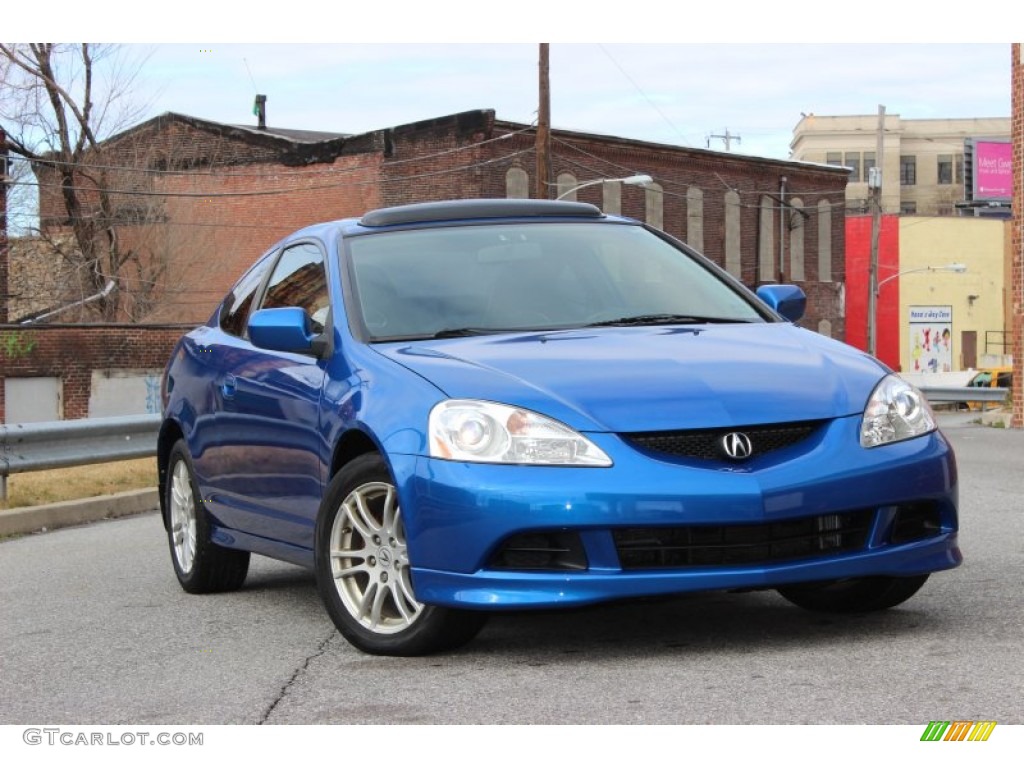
698,72
685,94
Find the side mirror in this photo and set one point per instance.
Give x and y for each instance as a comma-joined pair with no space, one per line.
788,300
284,329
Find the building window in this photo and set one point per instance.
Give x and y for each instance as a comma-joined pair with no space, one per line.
945,169
958,161
733,254
566,184
908,207
695,218
655,206
908,170
517,183
833,158
852,161
766,241
612,197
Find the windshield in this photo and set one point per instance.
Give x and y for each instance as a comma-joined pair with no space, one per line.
465,280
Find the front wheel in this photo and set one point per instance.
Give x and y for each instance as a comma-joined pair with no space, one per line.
200,565
363,573
871,593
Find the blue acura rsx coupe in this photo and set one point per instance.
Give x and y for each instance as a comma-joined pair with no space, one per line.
452,408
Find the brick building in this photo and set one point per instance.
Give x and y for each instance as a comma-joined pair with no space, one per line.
200,201
219,195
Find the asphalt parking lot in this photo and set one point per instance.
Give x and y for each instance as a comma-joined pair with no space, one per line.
94,629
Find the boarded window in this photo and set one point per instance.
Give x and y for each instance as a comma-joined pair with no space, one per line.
517,183
733,255
695,218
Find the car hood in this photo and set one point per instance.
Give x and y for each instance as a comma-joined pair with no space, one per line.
653,378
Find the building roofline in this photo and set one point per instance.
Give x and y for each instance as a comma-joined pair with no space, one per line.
694,151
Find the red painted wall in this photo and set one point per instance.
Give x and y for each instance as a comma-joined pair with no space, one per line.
858,260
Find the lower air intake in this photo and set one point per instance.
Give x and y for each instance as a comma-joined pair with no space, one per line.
702,546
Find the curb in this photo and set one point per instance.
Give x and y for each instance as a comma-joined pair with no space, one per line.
61,514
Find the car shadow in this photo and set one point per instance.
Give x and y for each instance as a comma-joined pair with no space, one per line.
693,623
705,622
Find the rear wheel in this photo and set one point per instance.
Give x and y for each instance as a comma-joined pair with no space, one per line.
200,565
363,574
871,593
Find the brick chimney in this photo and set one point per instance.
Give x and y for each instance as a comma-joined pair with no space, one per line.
260,110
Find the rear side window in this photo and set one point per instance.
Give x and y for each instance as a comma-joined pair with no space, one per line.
234,312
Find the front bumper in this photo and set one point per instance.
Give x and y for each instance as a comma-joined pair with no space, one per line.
459,515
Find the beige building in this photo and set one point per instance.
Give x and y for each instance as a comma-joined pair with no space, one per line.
970,305
923,169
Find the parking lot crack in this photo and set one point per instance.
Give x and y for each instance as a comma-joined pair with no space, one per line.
320,650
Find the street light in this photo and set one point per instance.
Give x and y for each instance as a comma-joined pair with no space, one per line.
872,315
640,180
959,268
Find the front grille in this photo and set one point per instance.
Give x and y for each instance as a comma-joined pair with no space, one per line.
697,546
706,443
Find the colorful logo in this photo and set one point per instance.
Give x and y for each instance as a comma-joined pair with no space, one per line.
958,730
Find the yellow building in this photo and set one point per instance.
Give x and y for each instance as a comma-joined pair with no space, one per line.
971,305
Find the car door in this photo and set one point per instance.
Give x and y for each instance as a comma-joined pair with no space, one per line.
270,473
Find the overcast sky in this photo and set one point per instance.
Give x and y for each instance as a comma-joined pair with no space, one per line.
671,93
678,92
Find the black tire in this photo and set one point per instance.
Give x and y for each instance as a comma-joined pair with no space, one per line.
360,520
871,593
200,565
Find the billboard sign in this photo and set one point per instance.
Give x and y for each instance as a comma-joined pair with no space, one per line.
931,339
993,179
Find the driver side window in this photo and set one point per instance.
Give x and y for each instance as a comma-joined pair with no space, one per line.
299,280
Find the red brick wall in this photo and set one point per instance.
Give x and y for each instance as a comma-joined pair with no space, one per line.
1017,268
205,203
224,230
72,353
217,233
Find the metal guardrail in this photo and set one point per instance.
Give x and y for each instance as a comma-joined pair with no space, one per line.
73,443
983,395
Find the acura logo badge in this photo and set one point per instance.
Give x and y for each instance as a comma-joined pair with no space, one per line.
737,446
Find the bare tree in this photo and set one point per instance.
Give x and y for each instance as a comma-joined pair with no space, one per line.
57,103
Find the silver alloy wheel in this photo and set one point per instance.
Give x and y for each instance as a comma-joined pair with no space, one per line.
369,561
183,517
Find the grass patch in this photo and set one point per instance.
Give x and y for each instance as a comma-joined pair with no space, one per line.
28,489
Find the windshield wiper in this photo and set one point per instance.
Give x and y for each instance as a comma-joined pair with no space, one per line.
454,333
664,320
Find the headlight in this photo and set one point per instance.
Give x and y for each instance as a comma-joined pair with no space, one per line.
895,411
475,430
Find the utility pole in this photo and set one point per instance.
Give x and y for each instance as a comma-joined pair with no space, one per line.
875,191
543,188
726,139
